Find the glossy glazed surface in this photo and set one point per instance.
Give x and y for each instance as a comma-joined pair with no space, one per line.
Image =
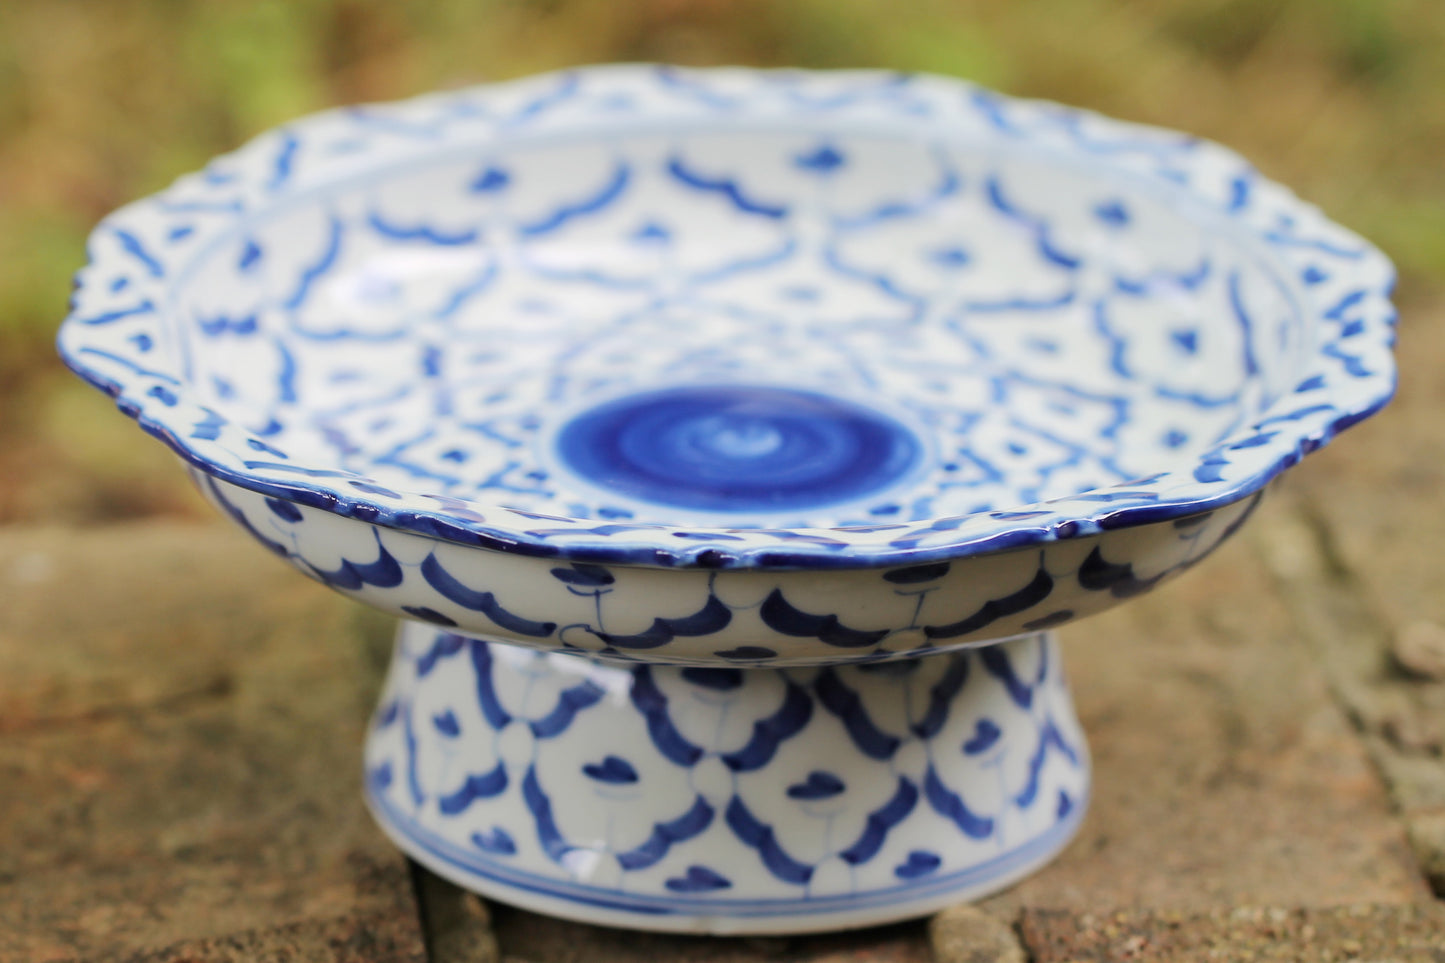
625,613
726,800
701,423
1012,322
744,449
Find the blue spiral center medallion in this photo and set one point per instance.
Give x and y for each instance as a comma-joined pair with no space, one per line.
738,448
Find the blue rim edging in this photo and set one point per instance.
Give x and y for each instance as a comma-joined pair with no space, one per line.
1055,838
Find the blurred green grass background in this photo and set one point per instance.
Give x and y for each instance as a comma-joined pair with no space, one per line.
103,101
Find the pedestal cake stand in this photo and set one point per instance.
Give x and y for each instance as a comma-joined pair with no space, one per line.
731,443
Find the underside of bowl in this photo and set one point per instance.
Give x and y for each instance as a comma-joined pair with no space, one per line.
747,617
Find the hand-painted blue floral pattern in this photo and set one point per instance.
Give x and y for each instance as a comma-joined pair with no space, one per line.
657,791
1068,324
696,616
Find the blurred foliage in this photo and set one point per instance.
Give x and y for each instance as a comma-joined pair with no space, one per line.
102,101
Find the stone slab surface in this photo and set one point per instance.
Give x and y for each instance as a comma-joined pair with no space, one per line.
365,938
1408,933
180,724
1361,563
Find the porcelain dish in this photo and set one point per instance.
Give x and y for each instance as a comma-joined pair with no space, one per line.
746,403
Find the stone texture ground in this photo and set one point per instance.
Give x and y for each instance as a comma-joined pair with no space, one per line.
180,721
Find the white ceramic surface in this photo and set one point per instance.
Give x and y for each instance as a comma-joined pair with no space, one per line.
724,800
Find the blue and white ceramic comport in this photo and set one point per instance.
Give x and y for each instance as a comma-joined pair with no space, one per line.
731,443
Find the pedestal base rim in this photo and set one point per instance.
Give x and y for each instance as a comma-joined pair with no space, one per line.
620,910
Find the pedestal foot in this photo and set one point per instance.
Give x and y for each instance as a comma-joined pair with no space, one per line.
726,800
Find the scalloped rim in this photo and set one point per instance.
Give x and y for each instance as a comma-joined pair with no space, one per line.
1341,282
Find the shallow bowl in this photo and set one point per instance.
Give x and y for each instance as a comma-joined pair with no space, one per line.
733,365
